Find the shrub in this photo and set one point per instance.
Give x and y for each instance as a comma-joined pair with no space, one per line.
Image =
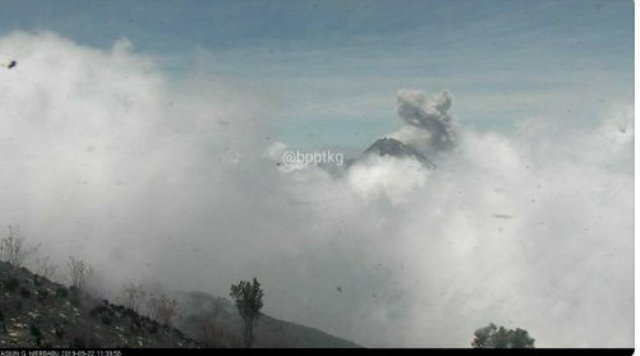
43,294
61,292
25,293
11,285
36,280
135,324
99,309
59,332
37,335
152,328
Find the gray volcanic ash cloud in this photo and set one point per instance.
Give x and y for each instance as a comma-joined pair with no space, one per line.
427,122
153,181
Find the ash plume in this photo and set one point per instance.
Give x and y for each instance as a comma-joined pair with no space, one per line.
427,122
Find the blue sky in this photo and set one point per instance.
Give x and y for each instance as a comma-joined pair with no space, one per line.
336,65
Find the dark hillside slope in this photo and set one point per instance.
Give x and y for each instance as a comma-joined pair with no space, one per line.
201,309
35,312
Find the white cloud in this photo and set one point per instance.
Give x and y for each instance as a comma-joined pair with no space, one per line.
106,159
387,177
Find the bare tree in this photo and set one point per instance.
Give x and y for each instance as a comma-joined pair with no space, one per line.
12,248
133,295
162,309
79,271
45,268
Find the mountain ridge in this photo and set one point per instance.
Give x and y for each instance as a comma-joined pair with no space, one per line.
388,146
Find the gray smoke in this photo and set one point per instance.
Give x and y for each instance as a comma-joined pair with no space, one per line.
428,122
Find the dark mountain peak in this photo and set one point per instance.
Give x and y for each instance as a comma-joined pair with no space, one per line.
392,147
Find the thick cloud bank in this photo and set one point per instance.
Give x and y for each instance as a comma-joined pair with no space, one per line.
105,158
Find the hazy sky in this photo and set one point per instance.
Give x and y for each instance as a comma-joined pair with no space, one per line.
145,138
335,66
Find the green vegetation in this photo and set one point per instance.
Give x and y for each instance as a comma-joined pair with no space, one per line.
11,285
37,334
248,299
61,292
42,295
25,293
492,337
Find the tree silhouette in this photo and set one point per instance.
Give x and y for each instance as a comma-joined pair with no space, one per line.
248,298
492,337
